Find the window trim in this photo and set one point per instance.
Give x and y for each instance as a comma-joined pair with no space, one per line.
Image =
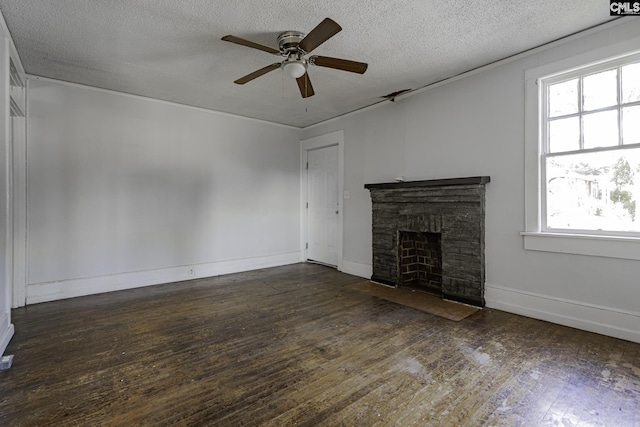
580,242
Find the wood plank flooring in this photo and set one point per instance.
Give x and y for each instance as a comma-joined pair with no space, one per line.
295,345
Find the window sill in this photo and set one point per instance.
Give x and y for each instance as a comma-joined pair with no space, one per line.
583,244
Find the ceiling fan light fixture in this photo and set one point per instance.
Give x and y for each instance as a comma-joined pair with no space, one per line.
295,69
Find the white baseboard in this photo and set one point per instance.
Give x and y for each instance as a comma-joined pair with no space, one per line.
6,332
357,269
50,291
589,317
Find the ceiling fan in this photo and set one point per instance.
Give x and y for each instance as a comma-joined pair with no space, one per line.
294,46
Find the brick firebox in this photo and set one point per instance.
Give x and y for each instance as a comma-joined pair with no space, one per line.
450,212
420,260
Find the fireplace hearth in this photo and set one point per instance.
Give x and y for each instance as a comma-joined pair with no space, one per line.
429,235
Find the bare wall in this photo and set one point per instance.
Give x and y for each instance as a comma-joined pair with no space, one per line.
141,190
475,126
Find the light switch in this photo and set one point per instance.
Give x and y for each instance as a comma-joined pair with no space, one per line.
347,195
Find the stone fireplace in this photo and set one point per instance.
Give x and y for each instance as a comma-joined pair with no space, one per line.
429,235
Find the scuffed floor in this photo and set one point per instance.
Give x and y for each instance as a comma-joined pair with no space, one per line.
295,345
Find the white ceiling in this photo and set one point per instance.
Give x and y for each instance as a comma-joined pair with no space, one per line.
171,50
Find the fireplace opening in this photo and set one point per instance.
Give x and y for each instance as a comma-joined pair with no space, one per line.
420,261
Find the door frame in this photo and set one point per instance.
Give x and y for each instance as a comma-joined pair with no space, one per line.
19,195
306,145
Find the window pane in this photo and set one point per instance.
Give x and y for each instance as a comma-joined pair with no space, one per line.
631,82
564,135
563,98
631,125
600,129
600,90
594,191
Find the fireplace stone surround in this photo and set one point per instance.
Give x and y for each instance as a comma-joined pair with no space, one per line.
451,209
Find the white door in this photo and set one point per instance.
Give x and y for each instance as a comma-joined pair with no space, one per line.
323,205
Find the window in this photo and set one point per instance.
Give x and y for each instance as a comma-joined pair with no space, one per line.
589,130
581,118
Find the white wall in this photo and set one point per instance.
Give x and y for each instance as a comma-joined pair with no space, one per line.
125,191
475,126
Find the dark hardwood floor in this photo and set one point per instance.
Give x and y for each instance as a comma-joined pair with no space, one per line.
296,345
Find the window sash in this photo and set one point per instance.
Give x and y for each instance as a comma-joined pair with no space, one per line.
545,83
543,201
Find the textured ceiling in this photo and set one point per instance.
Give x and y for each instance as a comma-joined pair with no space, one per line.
171,50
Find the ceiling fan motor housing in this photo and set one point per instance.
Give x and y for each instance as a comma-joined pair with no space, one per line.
288,41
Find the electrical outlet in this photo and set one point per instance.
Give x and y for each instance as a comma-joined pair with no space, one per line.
5,362
191,272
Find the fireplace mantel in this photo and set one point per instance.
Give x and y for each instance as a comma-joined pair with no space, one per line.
473,180
454,210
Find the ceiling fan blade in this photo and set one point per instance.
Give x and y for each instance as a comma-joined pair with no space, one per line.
339,64
304,84
243,42
257,73
320,34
